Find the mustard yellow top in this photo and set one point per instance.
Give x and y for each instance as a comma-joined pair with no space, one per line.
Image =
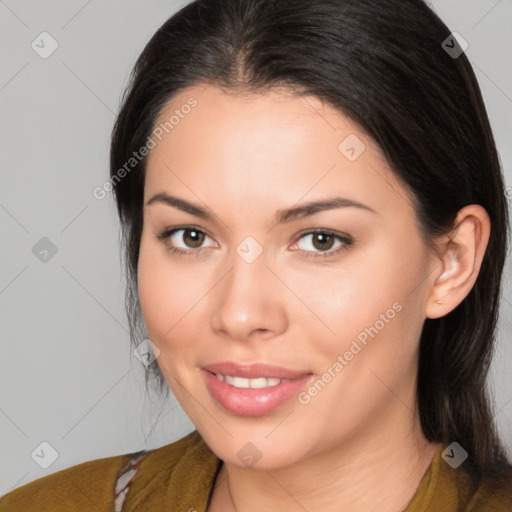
180,476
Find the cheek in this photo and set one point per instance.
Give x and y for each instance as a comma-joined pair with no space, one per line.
167,298
154,293
373,307
354,295
166,294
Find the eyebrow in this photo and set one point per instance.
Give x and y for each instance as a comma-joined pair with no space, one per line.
281,216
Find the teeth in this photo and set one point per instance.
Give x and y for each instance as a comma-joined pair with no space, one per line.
258,383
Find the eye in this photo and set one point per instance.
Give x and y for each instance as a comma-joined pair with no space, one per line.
190,237
320,242
324,241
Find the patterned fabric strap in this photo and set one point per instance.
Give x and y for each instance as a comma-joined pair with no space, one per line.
128,471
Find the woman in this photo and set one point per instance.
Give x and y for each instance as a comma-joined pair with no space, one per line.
315,229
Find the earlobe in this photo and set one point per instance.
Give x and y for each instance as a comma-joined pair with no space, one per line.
459,258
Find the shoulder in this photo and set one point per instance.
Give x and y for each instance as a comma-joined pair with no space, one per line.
85,485
182,473
492,494
93,485
455,489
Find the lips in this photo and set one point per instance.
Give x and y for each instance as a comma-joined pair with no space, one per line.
254,389
254,371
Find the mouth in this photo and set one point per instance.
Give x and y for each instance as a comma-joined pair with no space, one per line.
257,383
252,390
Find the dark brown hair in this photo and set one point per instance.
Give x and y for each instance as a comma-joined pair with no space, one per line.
383,64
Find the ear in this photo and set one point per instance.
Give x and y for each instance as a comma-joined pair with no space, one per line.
458,260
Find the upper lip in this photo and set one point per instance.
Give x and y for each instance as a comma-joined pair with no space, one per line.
254,370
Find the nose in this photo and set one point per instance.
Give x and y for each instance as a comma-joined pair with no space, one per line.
249,303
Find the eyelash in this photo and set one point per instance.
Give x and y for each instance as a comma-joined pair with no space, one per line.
346,240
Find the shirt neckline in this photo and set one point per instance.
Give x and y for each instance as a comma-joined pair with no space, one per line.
420,502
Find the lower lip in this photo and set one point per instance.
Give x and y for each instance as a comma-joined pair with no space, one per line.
252,402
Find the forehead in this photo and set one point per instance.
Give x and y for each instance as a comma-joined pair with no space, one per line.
269,118
268,147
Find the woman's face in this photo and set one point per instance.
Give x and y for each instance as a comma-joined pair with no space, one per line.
339,312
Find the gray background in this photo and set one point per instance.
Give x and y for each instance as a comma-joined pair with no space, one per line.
67,376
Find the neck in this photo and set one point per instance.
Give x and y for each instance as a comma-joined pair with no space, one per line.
378,470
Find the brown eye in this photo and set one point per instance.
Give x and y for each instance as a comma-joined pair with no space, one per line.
192,237
323,241
322,244
185,240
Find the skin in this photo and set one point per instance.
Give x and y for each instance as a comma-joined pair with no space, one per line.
358,442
